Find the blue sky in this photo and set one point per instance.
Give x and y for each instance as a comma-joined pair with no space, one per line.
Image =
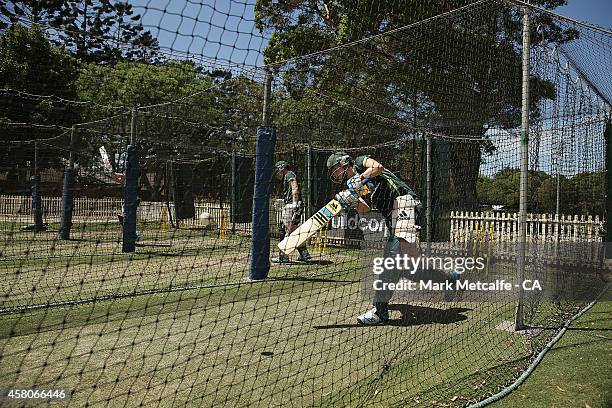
224,30
220,30
592,11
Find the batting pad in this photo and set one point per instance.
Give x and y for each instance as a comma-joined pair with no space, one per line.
403,218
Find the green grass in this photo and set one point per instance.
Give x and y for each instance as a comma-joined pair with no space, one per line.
577,371
78,270
291,340
209,343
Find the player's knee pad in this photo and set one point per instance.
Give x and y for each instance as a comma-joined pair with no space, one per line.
403,224
287,215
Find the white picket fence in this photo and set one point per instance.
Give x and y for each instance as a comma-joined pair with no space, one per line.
465,227
102,210
503,227
19,208
565,239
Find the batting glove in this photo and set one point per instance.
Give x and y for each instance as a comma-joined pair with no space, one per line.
298,210
355,183
348,199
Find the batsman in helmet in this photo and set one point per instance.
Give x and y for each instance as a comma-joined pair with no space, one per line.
292,210
381,190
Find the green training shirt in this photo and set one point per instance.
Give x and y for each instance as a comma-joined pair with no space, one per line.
386,188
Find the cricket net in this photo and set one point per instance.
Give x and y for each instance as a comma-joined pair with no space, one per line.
130,165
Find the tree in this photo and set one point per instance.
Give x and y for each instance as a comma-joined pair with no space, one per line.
580,194
547,194
182,111
584,194
137,85
504,189
452,66
32,11
101,31
30,63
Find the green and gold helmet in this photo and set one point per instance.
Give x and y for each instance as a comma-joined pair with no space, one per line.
338,165
340,158
279,165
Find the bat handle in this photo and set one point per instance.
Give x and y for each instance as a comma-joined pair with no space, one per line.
364,182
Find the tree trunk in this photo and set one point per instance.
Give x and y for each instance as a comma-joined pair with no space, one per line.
465,157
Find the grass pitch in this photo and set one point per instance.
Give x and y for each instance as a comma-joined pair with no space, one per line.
184,327
576,371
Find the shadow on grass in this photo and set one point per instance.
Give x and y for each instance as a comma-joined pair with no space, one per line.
313,279
94,240
162,254
154,245
413,316
116,240
320,262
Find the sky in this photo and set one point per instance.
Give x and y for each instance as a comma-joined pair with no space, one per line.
224,30
597,12
219,30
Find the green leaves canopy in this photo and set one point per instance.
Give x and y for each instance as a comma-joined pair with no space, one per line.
456,74
101,31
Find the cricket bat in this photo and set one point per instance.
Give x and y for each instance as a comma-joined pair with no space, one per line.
313,224
310,227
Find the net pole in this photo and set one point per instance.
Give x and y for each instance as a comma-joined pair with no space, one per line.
429,192
130,191
524,151
71,153
36,199
67,192
309,179
608,173
266,102
133,127
414,124
260,240
233,194
35,158
170,195
558,204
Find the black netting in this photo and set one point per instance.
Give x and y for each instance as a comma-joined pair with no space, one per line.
134,177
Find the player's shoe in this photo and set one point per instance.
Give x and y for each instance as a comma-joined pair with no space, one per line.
282,258
372,318
304,255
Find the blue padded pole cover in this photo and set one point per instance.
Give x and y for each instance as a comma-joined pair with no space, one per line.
130,199
260,245
67,204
